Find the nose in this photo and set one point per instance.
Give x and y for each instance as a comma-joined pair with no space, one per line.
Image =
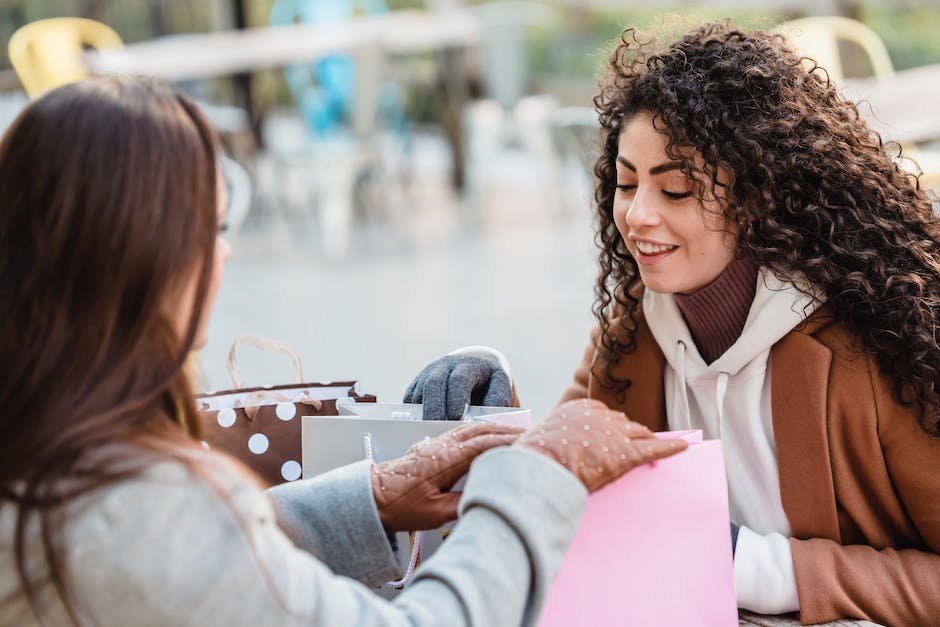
642,212
225,249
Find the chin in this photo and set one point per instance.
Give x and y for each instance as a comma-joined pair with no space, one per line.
657,284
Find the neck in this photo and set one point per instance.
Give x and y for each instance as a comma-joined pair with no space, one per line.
717,312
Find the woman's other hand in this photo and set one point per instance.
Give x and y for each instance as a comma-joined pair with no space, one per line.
446,386
412,492
595,443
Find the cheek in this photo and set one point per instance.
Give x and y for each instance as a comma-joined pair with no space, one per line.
715,250
620,216
222,254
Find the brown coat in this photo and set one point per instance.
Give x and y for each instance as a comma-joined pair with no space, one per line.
859,480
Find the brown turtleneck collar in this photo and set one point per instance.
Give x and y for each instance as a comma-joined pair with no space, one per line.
717,312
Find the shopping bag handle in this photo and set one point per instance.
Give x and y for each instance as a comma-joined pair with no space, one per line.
419,535
262,343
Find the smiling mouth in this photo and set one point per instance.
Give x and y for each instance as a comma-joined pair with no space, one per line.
652,250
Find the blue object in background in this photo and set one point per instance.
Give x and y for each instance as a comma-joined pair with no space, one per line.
324,90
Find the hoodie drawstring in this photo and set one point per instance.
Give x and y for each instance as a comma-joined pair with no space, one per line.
682,390
681,394
720,389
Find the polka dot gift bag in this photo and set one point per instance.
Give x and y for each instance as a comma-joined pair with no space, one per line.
261,426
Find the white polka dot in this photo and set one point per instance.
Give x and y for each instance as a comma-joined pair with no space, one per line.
258,443
285,411
226,417
290,470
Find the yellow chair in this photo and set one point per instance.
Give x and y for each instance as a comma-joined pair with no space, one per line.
48,53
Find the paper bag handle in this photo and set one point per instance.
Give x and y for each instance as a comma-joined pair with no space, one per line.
262,343
419,535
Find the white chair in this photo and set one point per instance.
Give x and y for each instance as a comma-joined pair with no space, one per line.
819,37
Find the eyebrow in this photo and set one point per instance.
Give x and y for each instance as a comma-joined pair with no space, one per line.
656,169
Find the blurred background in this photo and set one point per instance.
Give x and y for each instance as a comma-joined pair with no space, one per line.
411,176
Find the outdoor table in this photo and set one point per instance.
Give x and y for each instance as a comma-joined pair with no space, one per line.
749,619
204,55
369,38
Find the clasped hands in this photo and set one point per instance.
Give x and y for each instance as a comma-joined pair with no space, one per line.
595,444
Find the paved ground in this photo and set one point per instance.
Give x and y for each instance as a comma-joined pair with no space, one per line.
512,272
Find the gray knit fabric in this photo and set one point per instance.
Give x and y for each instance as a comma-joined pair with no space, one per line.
167,549
447,385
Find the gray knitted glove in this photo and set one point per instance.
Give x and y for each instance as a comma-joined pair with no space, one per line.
447,385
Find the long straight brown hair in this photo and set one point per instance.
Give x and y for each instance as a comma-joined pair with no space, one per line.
107,209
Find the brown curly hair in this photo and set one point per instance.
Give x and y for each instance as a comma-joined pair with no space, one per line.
811,190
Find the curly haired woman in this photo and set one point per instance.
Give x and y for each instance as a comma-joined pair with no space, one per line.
769,274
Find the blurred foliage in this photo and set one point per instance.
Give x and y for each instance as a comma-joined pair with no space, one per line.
911,34
582,46
909,29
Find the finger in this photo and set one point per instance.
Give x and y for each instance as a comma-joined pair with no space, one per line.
582,403
636,453
443,510
660,449
482,443
459,386
499,390
413,392
619,420
454,461
637,431
474,429
435,394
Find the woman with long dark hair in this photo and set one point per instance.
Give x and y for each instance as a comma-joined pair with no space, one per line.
771,275
110,511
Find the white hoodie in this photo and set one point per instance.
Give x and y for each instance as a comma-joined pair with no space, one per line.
729,400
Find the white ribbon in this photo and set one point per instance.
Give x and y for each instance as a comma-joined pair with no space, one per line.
418,538
255,400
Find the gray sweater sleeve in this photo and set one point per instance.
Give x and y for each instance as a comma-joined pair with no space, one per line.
168,549
334,517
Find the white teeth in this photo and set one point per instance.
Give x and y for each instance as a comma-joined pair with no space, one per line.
652,249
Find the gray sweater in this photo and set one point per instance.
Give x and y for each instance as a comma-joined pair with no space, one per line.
167,549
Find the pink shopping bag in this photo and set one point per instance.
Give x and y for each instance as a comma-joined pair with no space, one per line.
653,549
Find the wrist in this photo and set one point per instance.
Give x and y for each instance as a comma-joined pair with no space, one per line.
764,578
377,490
538,446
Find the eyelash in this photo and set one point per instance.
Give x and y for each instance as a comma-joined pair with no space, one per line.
677,196
670,195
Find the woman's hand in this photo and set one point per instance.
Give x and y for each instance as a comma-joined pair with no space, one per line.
412,492
595,443
447,385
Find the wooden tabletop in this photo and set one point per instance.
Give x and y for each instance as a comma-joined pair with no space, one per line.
203,55
902,107
749,619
